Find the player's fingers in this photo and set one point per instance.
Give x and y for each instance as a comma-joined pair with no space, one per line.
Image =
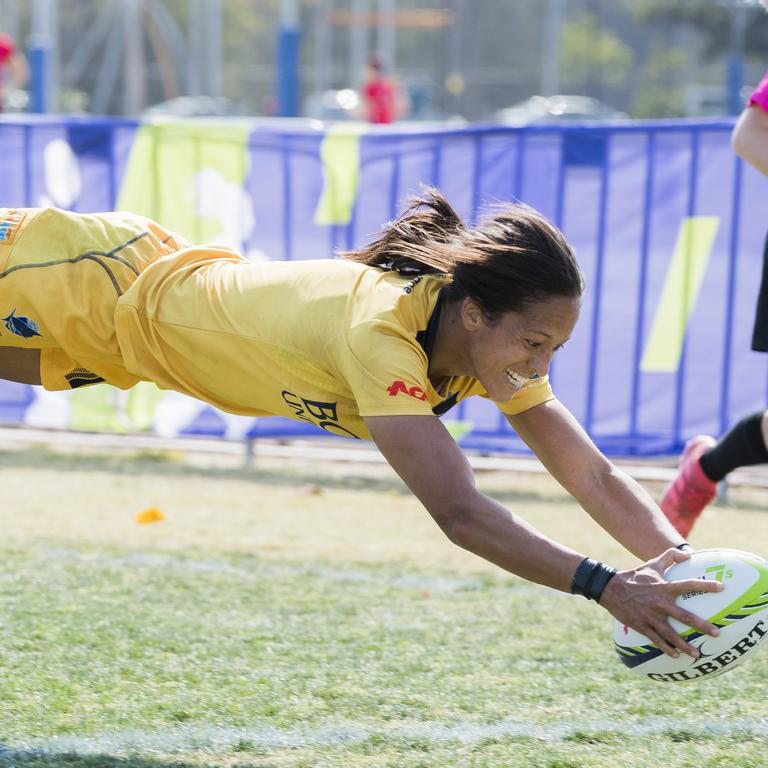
694,622
670,557
663,645
676,588
665,631
694,585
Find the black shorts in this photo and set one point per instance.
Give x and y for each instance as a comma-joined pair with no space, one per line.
760,332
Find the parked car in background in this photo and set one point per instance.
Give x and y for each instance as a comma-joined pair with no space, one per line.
16,100
195,106
553,109
341,104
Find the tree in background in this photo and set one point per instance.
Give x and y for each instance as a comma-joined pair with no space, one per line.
593,59
645,57
711,33
659,92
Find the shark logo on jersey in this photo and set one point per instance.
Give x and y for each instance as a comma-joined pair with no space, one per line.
21,326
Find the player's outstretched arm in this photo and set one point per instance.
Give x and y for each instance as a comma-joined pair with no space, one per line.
616,501
428,460
430,463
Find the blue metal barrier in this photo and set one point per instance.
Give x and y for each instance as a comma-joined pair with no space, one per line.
667,223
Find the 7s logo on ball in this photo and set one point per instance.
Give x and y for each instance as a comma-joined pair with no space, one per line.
718,572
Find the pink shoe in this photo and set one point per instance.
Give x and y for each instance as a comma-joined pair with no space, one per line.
686,496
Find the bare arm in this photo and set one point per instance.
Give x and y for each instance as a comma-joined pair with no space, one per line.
615,501
750,137
430,463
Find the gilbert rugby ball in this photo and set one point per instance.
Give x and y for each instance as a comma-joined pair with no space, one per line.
740,611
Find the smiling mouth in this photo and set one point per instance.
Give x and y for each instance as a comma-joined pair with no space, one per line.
517,379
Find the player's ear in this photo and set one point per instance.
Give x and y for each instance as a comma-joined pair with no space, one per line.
471,314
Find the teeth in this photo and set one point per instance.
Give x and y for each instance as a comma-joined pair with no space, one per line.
516,378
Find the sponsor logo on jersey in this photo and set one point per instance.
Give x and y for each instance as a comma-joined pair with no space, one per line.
9,225
411,284
396,387
321,414
21,326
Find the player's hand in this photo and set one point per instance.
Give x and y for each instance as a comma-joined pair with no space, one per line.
643,600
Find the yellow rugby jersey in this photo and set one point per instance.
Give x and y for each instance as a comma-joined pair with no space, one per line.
114,297
327,342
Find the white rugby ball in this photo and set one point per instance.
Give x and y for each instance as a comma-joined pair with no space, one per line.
740,611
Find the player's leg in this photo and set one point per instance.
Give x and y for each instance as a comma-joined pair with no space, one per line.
686,496
20,365
61,275
705,463
760,330
743,446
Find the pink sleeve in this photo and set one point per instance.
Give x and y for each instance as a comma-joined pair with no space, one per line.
760,94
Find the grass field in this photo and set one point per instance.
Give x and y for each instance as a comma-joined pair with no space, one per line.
315,616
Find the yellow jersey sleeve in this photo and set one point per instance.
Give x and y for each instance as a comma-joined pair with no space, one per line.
385,369
535,393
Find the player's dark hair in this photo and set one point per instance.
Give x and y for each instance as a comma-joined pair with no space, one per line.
512,259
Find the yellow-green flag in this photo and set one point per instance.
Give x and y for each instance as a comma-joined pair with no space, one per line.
340,155
678,298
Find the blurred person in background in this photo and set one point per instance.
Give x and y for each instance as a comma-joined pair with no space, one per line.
706,461
383,99
14,71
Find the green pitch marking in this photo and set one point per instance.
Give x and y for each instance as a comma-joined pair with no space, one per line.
340,155
678,298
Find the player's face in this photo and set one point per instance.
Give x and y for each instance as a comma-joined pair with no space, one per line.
507,354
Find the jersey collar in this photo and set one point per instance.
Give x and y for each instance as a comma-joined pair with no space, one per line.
427,337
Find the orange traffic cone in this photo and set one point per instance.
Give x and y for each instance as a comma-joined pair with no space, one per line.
150,515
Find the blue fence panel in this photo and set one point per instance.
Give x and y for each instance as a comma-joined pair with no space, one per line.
644,204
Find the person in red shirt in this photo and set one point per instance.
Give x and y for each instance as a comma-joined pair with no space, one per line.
383,100
13,66
12,62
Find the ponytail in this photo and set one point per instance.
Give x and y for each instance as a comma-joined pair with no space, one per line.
418,241
513,259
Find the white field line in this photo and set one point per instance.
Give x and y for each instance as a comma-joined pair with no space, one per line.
409,581
218,739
